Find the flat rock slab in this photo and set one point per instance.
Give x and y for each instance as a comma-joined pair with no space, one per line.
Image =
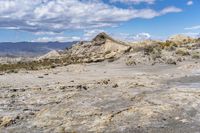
101,97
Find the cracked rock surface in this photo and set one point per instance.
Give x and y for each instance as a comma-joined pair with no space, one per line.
102,97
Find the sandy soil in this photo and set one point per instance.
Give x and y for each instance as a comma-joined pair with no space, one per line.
102,97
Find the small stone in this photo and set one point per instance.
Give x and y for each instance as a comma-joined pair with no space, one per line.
115,86
106,81
62,87
184,120
13,90
171,61
31,113
84,87
60,130
22,90
80,87
177,118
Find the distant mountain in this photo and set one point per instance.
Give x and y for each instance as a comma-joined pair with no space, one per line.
31,49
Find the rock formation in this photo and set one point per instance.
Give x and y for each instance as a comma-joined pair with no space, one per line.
100,48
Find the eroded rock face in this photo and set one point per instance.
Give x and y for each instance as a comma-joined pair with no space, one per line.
102,47
100,39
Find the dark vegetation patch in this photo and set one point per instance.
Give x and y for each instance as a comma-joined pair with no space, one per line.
40,64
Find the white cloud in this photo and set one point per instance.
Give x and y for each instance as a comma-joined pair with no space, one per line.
197,27
57,39
142,36
192,34
47,33
170,10
60,15
131,37
190,2
134,1
89,34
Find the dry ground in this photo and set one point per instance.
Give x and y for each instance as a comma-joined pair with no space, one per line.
102,97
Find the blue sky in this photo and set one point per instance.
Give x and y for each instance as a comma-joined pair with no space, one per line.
72,20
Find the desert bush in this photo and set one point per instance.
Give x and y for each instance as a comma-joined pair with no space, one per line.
171,61
12,71
196,55
130,62
168,45
112,59
107,52
182,52
156,53
148,50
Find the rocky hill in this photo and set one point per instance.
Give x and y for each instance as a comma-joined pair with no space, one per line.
102,47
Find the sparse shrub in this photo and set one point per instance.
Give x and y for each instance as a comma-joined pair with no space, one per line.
53,66
182,52
107,52
12,71
130,62
189,47
171,61
170,48
148,50
196,55
179,59
167,45
112,59
115,86
156,53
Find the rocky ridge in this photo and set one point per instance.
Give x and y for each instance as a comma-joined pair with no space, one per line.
103,47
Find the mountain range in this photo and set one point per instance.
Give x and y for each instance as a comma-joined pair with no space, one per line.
31,49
